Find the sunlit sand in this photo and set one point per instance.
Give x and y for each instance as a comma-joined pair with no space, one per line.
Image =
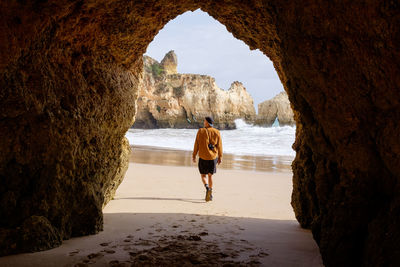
159,217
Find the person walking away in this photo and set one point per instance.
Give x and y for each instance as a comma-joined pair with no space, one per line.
208,144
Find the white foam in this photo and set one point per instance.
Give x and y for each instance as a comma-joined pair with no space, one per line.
245,140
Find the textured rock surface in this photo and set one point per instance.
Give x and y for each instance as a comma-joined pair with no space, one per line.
172,100
116,179
170,63
64,109
68,73
275,108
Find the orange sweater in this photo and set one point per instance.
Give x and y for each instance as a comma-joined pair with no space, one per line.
201,144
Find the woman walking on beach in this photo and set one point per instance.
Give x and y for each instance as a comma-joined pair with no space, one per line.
209,146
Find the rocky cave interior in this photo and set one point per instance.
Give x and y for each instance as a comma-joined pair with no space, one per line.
66,66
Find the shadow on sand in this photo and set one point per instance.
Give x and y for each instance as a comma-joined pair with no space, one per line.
165,239
163,198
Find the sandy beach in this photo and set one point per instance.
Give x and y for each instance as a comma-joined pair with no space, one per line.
159,218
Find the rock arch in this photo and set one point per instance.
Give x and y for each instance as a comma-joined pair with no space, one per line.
69,68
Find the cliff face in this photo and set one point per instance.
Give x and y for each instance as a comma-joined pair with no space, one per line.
168,99
69,73
275,108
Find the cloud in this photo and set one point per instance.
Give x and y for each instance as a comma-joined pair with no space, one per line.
204,46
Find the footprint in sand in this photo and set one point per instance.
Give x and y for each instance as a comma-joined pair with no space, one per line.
95,255
138,229
81,265
234,255
253,262
142,242
192,221
263,254
73,253
163,239
116,263
193,238
130,236
133,253
109,251
105,244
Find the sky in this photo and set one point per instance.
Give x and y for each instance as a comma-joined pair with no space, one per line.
204,46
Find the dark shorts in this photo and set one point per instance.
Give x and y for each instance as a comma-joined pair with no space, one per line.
208,166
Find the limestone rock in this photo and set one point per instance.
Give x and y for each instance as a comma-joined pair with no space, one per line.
275,108
183,100
170,63
69,72
110,189
35,234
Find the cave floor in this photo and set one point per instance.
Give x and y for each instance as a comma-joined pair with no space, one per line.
158,217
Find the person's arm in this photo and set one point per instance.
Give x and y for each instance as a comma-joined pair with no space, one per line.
219,146
196,147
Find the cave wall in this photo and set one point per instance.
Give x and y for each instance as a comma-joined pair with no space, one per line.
65,106
67,98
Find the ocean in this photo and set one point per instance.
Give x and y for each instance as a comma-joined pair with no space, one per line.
246,140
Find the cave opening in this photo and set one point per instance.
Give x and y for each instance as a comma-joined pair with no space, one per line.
166,123
204,57
156,187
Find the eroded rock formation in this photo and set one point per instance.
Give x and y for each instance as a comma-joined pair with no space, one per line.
168,64
275,108
168,99
68,77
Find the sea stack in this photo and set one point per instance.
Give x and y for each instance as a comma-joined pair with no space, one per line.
275,108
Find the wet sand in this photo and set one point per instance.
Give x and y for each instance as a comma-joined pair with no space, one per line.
159,218
171,157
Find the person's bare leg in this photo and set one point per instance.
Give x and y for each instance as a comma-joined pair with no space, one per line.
209,191
210,181
203,179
